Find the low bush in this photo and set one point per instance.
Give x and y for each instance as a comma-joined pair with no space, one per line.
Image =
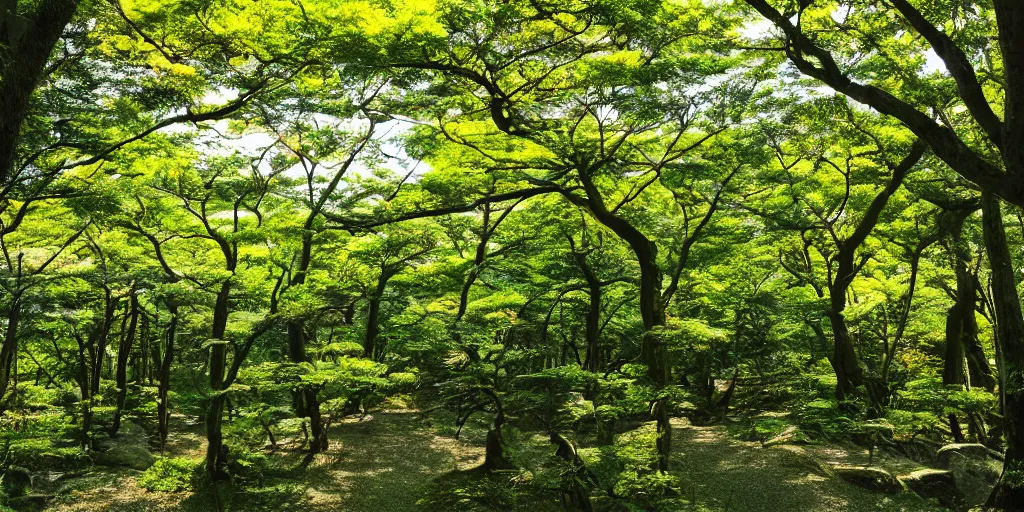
171,474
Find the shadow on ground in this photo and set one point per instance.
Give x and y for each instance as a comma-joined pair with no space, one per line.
728,475
383,463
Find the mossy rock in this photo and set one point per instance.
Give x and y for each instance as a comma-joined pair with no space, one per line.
975,474
872,479
135,457
935,483
129,448
791,435
17,480
947,454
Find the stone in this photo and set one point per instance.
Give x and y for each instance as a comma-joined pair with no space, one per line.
792,435
17,481
872,479
129,448
948,453
935,483
135,457
975,477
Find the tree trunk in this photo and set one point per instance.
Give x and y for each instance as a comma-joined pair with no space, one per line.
726,399
123,353
370,349
978,369
980,372
577,495
216,452
593,317
653,350
953,361
1009,491
844,358
164,386
594,360
495,455
9,351
84,378
23,67
100,351
1010,21
849,373
467,285
142,367
306,402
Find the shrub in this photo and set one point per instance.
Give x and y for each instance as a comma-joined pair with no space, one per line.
250,468
170,474
764,429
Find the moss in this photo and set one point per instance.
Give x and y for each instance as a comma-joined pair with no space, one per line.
170,474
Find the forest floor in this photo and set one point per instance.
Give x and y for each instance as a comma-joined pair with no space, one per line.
726,474
385,462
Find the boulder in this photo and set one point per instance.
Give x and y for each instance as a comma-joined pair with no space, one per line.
975,477
935,483
17,481
974,470
950,452
129,448
872,479
791,435
119,455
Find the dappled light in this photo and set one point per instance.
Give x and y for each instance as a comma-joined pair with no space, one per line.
511,255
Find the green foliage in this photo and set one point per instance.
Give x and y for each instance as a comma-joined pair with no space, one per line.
482,492
763,429
492,208
824,419
251,468
625,469
171,474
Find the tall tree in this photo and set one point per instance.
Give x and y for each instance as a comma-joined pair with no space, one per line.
805,29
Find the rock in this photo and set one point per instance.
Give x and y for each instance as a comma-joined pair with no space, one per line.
135,457
935,483
872,479
948,453
797,457
975,477
16,481
974,472
30,501
792,435
129,448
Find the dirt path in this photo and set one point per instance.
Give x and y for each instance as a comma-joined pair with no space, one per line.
726,474
384,462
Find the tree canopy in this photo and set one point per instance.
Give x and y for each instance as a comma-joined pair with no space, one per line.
589,222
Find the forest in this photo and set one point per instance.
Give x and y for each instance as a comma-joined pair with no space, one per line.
503,255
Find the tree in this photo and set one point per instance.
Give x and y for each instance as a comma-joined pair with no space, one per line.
825,224
826,62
